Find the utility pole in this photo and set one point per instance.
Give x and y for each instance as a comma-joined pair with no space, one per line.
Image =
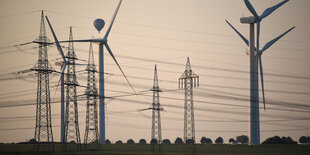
156,121
72,133
43,129
188,81
91,92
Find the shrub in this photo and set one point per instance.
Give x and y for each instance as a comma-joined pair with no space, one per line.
130,141
166,141
142,141
219,140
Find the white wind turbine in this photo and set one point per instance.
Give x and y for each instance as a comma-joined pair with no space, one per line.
99,24
254,58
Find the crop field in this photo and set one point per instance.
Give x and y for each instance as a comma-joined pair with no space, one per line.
168,149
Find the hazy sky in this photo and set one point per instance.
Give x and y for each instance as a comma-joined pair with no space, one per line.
162,32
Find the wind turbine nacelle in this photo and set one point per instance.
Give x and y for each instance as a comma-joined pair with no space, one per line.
247,52
248,20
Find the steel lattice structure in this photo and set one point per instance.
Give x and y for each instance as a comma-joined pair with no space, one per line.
156,121
43,130
188,81
72,132
156,137
91,92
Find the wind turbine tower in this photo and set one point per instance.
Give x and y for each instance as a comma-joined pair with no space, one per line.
188,81
255,58
91,92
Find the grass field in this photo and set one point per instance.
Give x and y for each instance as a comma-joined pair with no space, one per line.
168,149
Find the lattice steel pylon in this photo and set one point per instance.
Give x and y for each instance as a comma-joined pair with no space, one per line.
156,121
43,130
188,81
72,133
91,92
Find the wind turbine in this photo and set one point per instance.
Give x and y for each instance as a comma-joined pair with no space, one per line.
254,59
99,24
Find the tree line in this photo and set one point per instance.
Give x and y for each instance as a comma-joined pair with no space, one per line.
242,139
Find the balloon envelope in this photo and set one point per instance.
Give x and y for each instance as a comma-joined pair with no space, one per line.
99,24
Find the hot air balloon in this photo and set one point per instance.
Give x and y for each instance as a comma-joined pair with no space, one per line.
99,24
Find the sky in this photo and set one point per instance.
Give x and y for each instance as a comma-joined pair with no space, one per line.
165,33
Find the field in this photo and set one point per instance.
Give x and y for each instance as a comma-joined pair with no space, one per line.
168,149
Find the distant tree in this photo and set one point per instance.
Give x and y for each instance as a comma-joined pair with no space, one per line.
203,140
72,142
308,140
107,141
208,141
166,141
219,140
178,141
231,140
289,140
190,141
278,140
273,140
130,141
119,142
243,139
142,141
154,141
303,140
283,139
32,141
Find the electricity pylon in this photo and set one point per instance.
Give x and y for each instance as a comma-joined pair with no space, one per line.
72,133
91,130
188,81
43,130
156,139
156,121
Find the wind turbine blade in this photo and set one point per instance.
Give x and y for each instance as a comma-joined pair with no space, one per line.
62,74
112,21
240,35
109,50
56,41
268,11
262,79
63,68
270,43
252,10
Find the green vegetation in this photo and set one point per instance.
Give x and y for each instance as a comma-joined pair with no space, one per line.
169,149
